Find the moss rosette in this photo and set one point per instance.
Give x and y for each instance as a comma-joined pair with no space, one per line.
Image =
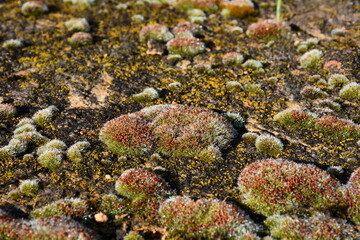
138,184
186,131
156,32
268,144
60,227
172,130
296,118
317,226
352,197
205,5
205,219
268,29
279,186
338,128
185,46
127,135
310,59
110,204
73,207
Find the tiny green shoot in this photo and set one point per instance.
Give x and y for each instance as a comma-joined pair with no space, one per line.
278,10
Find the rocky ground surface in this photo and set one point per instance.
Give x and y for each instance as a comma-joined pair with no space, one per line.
92,84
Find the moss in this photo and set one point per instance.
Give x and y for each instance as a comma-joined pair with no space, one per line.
139,184
350,91
73,207
132,235
75,151
233,86
61,227
34,8
14,195
185,46
233,58
111,205
156,32
311,92
352,197
250,138
50,158
268,187
12,44
127,135
238,9
122,134
44,116
25,128
268,29
77,25
29,187
269,145
337,128
296,118
337,81
148,95
7,111
311,59
80,39
205,218
317,226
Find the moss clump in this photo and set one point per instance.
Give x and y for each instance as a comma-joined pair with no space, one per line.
132,235
311,59
7,111
237,8
145,189
352,197
350,91
74,152
337,81
80,39
148,95
44,116
209,5
156,32
187,29
12,44
317,226
268,144
233,86
194,129
268,29
338,128
205,219
50,158
14,195
110,204
139,184
233,58
312,92
77,25
250,138
34,8
73,207
296,118
185,46
280,186
61,227
172,130
127,135
29,187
